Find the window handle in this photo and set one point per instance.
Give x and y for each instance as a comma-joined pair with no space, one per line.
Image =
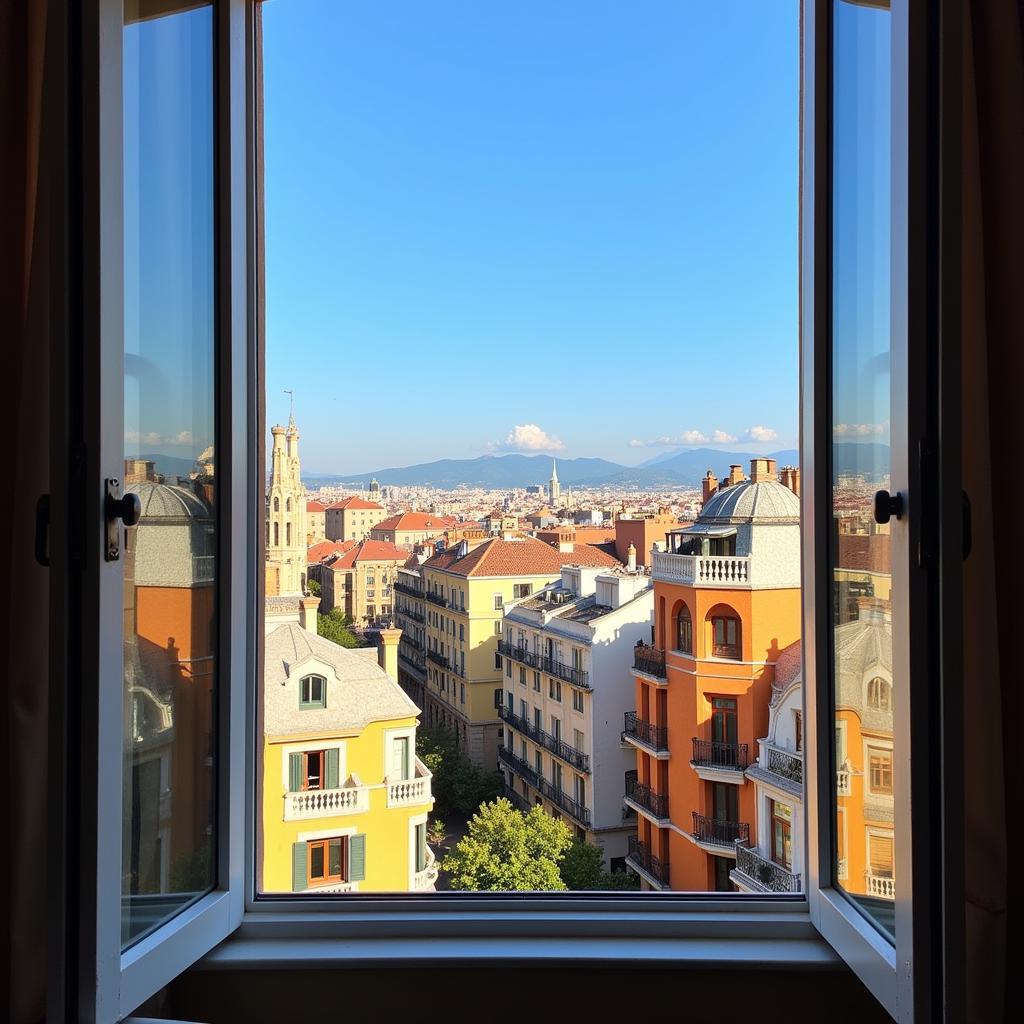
888,505
126,508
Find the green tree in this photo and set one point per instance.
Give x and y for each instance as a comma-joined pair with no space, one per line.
508,851
313,587
336,628
581,868
459,786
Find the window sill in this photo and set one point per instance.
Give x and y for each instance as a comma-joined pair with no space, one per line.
738,933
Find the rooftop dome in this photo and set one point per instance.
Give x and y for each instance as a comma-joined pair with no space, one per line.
767,501
165,501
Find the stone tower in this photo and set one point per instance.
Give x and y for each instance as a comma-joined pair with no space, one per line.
554,487
286,512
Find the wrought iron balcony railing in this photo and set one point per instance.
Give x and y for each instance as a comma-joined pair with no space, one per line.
410,612
439,659
641,794
718,832
640,854
650,661
764,873
653,736
713,754
576,676
785,763
412,663
577,758
519,766
571,807
436,598
404,588
516,799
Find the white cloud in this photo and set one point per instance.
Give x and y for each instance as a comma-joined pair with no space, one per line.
151,437
859,429
760,433
182,437
687,437
527,437
721,437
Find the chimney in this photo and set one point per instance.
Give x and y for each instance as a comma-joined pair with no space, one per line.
307,613
631,557
710,484
387,652
791,478
762,469
565,547
735,475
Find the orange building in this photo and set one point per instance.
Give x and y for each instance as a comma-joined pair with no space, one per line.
643,532
726,604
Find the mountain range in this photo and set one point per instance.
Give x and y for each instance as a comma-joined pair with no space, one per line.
497,472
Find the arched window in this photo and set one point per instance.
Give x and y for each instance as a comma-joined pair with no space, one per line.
880,694
288,505
288,534
277,504
277,534
684,631
312,692
725,636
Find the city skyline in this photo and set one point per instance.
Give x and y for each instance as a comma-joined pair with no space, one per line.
454,196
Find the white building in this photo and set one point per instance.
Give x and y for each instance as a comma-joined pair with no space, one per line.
568,656
774,862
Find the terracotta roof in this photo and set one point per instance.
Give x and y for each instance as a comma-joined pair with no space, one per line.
354,502
526,557
325,548
315,506
370,551
415,521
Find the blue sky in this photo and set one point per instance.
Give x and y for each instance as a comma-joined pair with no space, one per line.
531,226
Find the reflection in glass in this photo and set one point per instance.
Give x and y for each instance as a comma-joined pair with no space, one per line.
169,558
860,450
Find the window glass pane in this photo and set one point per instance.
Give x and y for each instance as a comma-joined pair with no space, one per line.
860,550
169,444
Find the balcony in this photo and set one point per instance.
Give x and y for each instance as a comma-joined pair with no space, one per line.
518,766
646,801
881,887
556,746
843,782
408,638
416,790
435,599
410,613
439,659
576,676
571,807
722,836
653,738
650,661
404,588
411,664
425,879
326,803
781,768
720,762
755,873
517,800
702,570
645,864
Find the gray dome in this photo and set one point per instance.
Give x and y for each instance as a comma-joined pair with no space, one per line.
164,501
765,502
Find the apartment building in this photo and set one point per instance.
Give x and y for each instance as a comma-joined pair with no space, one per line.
409,528
361,580
727,604
465,591
567,654
345,799
411,619
316,522
352,518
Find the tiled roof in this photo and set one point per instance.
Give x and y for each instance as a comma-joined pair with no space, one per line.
315,506
370,551
354,502
325,548
415,521
525,557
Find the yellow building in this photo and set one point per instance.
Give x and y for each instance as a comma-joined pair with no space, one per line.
464,592
345,799
352,518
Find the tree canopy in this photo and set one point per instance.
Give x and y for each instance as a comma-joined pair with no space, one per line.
508,851
459,786
335,626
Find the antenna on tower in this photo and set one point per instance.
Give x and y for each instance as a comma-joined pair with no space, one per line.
291,407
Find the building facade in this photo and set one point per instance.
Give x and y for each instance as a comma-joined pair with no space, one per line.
316,522
361,581
345,799
352,518
567,653
409,528
411,619
727,603
464,595
286,515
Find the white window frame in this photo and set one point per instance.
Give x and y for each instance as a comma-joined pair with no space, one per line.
784,931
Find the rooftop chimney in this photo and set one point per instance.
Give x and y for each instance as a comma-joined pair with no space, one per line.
307,613
735,475
791,478
710,484
387,652
762,469
631,557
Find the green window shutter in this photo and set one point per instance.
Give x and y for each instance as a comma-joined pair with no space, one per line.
333,763
294,773
356,858
421,847
298,867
